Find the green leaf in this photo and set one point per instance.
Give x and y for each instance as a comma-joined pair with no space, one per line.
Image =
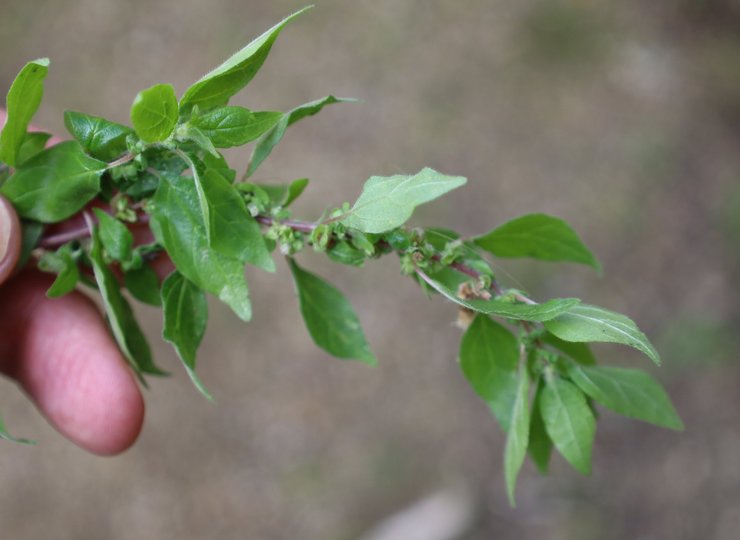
329,317
31,234
585,323
569,422
185,317
117,240
234,232
503,308
24,98
177,224
101,138
517,438
388,202
271,138
125,329
489,354
282,194
8,437
538,236
54,184
628,392
231,126
216,87
62,263
580,352
143,284
33,143
192,133
540,444
344,253
155,112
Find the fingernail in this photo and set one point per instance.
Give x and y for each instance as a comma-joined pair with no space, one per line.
10,238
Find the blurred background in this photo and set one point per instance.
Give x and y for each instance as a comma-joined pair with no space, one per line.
620,117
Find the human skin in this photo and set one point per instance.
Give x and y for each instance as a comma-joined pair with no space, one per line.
61,354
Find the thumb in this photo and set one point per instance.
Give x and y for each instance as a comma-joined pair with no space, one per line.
10,239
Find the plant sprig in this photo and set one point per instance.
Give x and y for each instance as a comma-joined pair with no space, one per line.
528,361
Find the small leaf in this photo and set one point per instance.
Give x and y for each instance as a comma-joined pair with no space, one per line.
155,112
216,87
231,126
33,143
538,236
199,138
628,392
540,444
329,317
502,308
54,184
117,240
517,438
31,234
569,422
489,354
185,317
580,352
62,263
101,138
24,98
177,224
271,138
143,284
388,202
8,437
585,323
126,330
283,194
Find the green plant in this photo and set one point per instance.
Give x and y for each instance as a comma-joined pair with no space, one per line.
534,369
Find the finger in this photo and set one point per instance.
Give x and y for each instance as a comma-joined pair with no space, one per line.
62,355
10,239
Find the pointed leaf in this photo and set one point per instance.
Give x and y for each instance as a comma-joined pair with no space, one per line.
216,87
271,138
517,438
329,317
54,184
580,352
63,264
585,323
502,308
101,138
488,358
117,240
143,284
569,422
538,236
177,224
185,317
540,444
24,98
33,143
231,126
628,392
155,112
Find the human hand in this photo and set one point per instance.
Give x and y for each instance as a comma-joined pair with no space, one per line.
62,355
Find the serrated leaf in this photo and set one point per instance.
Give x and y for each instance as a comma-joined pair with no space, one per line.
143,284
185,316
231,126
62,263
125,329
580,352
517,438
116,238
538,236
628,392
569,422
329,317
54,184
270,139
24,98
101,138
33,143
489,354
177,224
585,323
216,87
540,444
502,308
387,202
154,113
